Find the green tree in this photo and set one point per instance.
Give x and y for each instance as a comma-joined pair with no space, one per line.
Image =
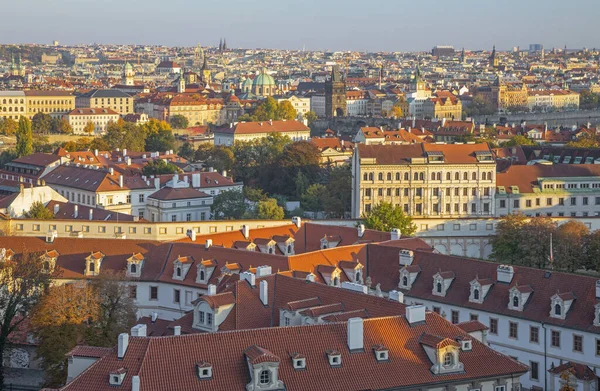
186,151
269,210
300,156
159,167
313,197
254,194
310,117
7,156
179,121
301,184
518,140
23,280
588,100
8,126
266,110
569,245
385,217
586,140
161,140
203,152
61,126
591,253
89,127
24,137
285,110
221,159
38,211
338,197
506,242
229,205
100,144
41,123
480,106
40,143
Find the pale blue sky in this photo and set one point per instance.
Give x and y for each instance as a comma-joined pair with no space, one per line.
373,25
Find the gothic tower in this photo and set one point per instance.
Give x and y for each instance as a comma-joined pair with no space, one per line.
205,73
494,58
335,95
181,82
128,74
462,56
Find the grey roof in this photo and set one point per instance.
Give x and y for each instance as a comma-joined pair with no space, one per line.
12,93
106,94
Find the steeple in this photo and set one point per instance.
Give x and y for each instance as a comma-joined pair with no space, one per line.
462,55
224,44
220,44
494,58
181,82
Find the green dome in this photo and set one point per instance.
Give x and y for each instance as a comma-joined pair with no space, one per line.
263,79
247,83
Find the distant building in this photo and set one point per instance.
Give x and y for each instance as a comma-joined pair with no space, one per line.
246,131
12,104
178,201
100,118
443,104
116,100
335,95
443,51
53,103
300,104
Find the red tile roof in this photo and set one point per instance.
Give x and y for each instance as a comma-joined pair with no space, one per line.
265,127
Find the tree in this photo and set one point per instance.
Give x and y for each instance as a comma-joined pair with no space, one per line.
266,110
301,184
41,143
161,140
286,111
313,197
186,151
310,117
338,197
59,322
385,217
506,242
586,140
591,253
569,246
159,167
221,159
480,106
397,111
229,205
203,152
179,121
269,210
253,194
588,100
61,126
8,126
300,156
38,211
89,127
23,280
24,137
41,123
519,140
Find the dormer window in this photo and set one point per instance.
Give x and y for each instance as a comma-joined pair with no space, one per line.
299,363
181,266
448,359
557,310
381,353
134,265
133,268
204,271
438,287
405,281
516,301
204,370
560,304
441,283
335,358
290,249
265,377
178,271
476,294
202,275
518,296
479,289
116,377
93,263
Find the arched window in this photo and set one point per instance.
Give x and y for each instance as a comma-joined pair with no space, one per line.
289,249
466,176
133,268
397,176
370,176
448,177
439,287
336,281
448,359
439,176
474,176
557,309
416,176
365,176
92,267
433,176
178,272
476,294
270,250
490,176
483,176
406,176
380,176
358,277
389,176
516,301
404,281
422,176
202,274
46,266
456,176
265,377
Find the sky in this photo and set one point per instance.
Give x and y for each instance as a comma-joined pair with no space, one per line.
360,25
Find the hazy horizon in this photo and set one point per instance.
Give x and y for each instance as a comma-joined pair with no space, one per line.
318,25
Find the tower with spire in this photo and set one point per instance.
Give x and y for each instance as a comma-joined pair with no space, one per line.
181,82
128,74
220,45
205,74
224,44
462,56
494,58
335,95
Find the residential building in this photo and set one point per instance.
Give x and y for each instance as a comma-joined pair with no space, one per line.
552,99
334,151
246,131
559,190
116,100
356,103
55,103
450,180
100,118
12,104
300,104
443,104
31,168
197,109
178,201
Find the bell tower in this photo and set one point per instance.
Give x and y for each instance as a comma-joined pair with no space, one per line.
128,75
335,95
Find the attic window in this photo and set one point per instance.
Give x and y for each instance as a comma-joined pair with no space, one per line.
204,370
335,358
514,189
501,190
381,353
466,345
299,363
448,359
557,309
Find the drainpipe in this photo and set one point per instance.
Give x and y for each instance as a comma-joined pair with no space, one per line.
545,358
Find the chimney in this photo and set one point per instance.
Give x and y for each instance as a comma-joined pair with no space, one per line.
246,231
195,180
395,234
186,179
56,208
396,296
192,235
51,235
121,181
177,330
91,214
355,335
406,257
139,330
111,171
157,183
505,273
598,289
310,277
211,290
211,169
75,211
175,179
263,271
264,292
443,122
135,383
297,221
361,230
208,243
224,173
122,346
415,314
154,316
128,161
124,152
414,122
95,152
250,277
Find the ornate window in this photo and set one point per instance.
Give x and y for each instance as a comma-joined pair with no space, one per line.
557,309
265,377
448,359
476,294
438,287
516,301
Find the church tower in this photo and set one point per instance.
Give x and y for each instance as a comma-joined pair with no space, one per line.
128,75
418,84
181,82
463,58
494,58
335,95
205,74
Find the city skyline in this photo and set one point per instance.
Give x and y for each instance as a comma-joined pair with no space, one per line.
333,26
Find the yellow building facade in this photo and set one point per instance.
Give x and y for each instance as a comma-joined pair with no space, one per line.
54,103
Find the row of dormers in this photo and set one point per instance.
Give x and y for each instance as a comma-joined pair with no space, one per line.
285,245
332,274
519,294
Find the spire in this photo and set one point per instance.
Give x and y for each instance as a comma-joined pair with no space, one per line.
204,66
224,44
220,44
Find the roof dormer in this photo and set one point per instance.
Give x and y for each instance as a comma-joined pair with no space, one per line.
264,369
443,354
597,314
181,267
479,289
267,246
204,370
205,270
231,268
335,358
330,241
93,262
116,377
134,265
560,304
242,245
298,361
518,296
212,310
353,270
48,260
285,244
382,354
441,282
408,275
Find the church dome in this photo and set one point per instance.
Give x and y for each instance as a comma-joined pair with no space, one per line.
247,83
263,79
